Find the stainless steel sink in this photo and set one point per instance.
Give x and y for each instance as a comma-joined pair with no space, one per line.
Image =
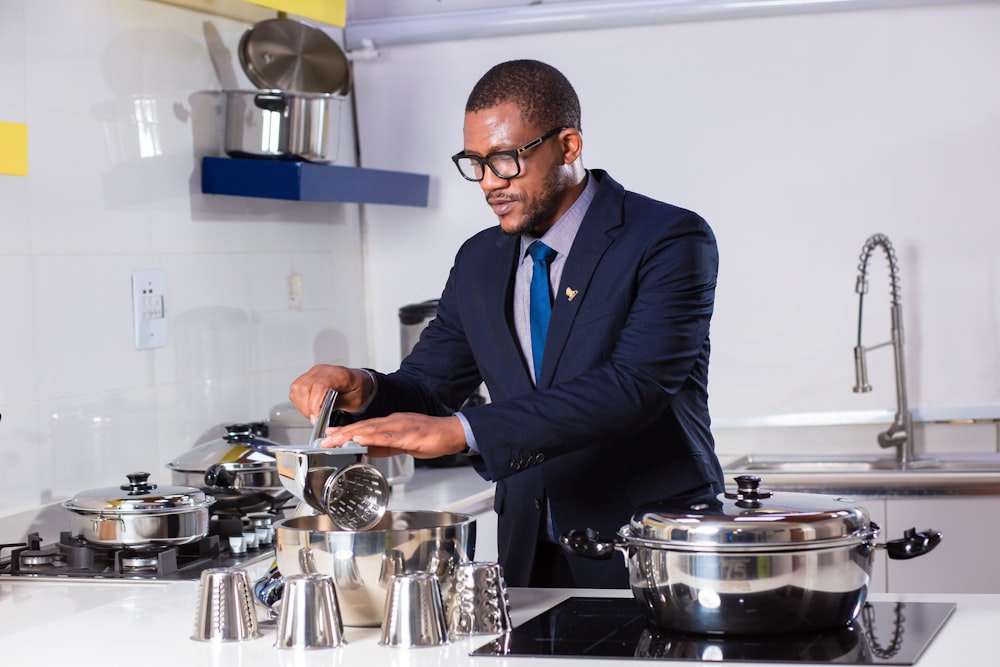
860,463
873,475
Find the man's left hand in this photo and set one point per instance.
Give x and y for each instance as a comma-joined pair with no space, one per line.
422,436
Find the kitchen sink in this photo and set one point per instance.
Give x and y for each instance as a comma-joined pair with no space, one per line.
873,475
860,463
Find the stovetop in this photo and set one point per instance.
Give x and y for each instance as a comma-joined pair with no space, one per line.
885,633
229,543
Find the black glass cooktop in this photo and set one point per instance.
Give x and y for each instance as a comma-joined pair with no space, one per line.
885,633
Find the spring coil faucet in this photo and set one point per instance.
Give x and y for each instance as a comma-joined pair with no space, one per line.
899,433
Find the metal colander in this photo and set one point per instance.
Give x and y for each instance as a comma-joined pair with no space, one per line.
356,497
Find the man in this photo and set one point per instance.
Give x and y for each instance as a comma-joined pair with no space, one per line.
616,413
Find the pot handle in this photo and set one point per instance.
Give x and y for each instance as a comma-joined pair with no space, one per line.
587,543
271,102
913,544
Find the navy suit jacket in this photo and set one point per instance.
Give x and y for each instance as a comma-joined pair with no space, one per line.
620,414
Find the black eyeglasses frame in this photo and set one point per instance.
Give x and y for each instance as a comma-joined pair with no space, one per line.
513,154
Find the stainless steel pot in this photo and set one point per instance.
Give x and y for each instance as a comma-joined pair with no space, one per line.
750,561
139,514
240,460
283,124
363,562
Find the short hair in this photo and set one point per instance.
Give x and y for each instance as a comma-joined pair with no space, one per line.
543,95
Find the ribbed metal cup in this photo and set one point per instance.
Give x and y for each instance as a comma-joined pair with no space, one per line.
226,610
478,602
414,612
309,616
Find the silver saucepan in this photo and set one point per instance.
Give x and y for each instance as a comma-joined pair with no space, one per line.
750,561
140,513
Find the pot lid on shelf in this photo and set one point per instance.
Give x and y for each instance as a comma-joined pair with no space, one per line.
751,518
290,55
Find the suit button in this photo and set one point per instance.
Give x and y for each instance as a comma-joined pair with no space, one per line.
514,466
538,503
539,457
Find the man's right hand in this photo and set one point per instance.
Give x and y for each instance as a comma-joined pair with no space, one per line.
309,389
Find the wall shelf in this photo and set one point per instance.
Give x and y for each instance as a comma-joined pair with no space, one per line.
307,181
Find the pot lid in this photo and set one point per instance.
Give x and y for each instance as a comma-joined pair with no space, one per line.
750,518
139,496
286,54
240,449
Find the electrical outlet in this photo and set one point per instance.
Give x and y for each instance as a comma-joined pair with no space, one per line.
294,291
149,308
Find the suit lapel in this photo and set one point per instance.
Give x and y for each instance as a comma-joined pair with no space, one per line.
592,240
496,307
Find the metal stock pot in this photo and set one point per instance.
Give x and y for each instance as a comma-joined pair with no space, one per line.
750,561
139,514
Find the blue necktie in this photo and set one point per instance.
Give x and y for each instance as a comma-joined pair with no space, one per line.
541,301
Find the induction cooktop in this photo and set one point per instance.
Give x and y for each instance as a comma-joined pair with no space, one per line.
885,633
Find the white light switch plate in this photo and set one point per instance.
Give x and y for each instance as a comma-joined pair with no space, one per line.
149,308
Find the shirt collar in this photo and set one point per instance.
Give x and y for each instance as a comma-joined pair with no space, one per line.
561,235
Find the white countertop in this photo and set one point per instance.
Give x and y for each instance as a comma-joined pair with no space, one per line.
151,623
121,622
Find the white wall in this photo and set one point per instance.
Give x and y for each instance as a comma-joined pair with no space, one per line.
80,406
797,138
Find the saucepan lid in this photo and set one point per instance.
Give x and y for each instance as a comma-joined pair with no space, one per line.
290,55
139,496
750,518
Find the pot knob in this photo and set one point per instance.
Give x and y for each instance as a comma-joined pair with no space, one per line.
218,475
137,484
748,494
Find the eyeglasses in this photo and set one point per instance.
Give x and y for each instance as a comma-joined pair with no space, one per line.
502,163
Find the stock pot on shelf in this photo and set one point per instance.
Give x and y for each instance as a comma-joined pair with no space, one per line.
139,514
750,561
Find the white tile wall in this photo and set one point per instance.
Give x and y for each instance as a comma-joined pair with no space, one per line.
121,101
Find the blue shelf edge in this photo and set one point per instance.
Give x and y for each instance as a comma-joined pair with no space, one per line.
307,181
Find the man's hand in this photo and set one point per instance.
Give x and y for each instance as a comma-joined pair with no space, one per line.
309,389
402,433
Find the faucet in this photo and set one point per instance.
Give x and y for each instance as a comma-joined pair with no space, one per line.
900,432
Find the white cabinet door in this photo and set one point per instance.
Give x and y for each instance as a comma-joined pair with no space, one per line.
965,560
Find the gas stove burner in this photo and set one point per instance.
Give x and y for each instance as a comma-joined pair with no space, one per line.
47,557
139,561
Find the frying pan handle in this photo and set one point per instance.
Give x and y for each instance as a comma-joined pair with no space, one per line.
271,102
913,544
587,543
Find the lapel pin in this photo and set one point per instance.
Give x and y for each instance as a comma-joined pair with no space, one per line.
571,293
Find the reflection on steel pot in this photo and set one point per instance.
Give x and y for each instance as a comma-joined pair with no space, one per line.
140,513
282,124
362,562
750,561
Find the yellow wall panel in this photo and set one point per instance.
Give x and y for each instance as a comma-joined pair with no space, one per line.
327,11
13,149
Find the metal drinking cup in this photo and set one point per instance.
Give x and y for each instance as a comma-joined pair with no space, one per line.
414,612
478,602
309,616
226,610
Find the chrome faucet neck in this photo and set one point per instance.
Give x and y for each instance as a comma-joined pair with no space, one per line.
900,432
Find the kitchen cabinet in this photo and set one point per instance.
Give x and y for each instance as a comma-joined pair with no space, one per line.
306,181
964,562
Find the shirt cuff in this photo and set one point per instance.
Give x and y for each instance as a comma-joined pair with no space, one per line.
470,438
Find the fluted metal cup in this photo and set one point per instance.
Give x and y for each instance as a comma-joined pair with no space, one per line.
226,610
414,612
478,602
309,616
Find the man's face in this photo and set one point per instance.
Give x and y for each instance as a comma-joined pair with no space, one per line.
532,201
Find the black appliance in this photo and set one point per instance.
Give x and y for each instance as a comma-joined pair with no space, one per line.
885,633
